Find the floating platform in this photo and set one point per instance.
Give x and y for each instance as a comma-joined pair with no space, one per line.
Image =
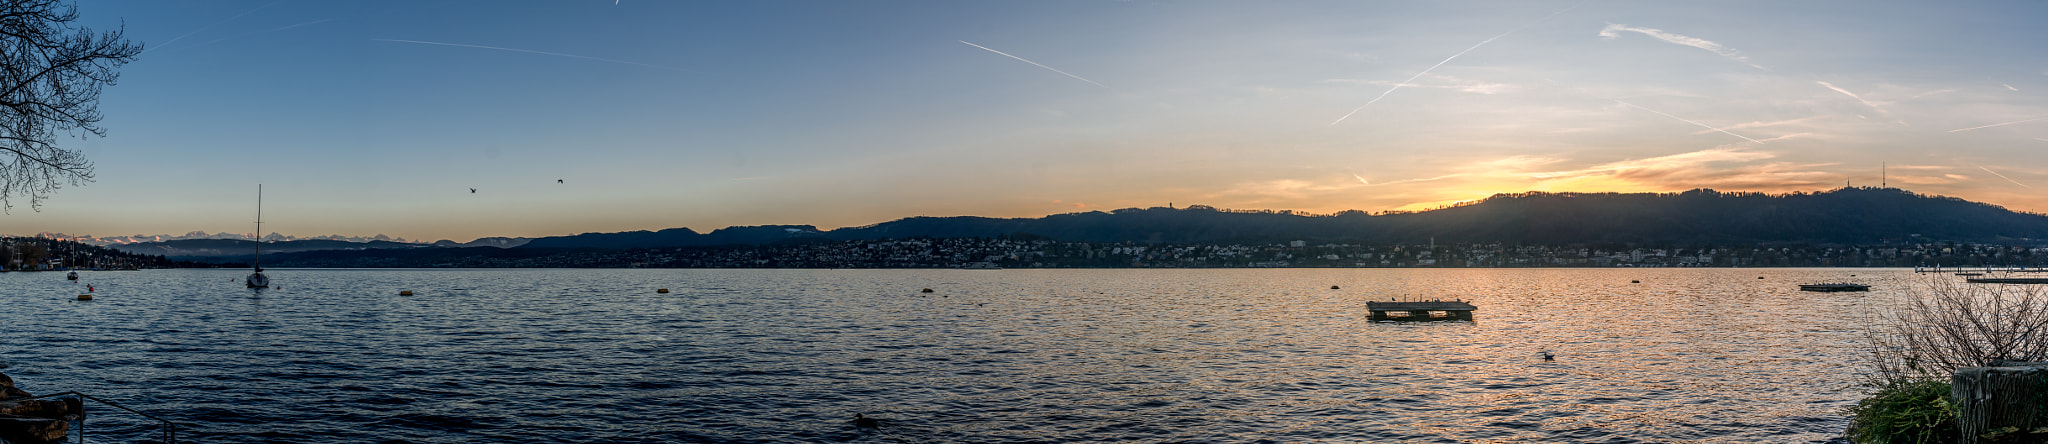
1842,286
1453,310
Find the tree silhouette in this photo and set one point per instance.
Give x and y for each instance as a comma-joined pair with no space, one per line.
50,78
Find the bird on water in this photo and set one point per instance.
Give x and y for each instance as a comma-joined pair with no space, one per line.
1549,357
865,422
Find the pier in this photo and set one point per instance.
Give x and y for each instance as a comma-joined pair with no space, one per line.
2007,280
1431,310
1979,270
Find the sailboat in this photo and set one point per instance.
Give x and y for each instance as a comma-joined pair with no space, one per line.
257,279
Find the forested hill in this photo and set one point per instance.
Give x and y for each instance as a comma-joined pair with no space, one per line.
1845,216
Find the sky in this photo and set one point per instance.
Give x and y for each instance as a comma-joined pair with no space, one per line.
379,117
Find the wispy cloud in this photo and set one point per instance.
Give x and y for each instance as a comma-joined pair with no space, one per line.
1656,165
1725,168
1362,180
2037,119
1048,68
1614,31
2008,86
2002,176
1411,79
1935,92
1850,94
529,51
1721,168
1681,119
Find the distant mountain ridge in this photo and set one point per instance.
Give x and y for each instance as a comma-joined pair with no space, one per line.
208,248
1701,216
1864,216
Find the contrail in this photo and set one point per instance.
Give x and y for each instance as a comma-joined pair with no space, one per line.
1091,82
1997,124
204,28
1702,125
1850,94
315,22
1448,60
2002,176
529,51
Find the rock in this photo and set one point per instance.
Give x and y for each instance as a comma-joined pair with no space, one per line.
6,381
40,408
33,430
11,393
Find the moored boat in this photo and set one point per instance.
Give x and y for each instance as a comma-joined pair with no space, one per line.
256,278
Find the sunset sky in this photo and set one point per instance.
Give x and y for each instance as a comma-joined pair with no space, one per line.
361,118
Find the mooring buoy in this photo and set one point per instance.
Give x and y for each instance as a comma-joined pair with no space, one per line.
927,290
85,297
405,292
1635,282
660,290
1333,287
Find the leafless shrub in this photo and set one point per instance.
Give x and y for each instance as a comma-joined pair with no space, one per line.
1951,324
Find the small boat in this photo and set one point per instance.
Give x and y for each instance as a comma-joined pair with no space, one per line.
72,275
256,279
1837,286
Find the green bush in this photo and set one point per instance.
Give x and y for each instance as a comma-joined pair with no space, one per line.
1909,411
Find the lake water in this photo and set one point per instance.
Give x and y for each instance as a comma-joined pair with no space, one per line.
1272,355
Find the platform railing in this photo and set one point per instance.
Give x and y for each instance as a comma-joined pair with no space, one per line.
168,429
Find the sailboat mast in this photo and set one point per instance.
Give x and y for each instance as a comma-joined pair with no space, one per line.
257,263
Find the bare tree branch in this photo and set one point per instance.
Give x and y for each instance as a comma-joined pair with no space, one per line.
1952,325
51,73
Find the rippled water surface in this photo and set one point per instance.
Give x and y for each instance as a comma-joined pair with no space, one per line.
1686,355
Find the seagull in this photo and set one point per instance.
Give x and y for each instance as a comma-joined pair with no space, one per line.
472,191
560,181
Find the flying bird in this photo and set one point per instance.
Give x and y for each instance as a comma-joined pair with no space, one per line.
472,191
558,180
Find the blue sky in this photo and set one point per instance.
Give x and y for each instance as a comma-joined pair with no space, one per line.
362,118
